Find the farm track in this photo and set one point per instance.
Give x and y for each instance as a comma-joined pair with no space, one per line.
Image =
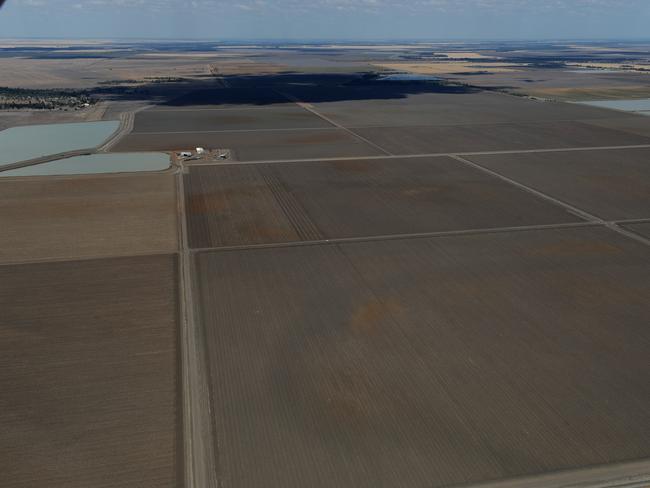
127,120
199,440
303,225
430,155
571,208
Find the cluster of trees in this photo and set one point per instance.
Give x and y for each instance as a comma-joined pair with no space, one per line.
21,98
147,79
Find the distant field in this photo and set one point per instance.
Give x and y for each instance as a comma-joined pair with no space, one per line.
585,93
369,106
443,67
387,116
497,137
613,185
619,65
198,120
257,145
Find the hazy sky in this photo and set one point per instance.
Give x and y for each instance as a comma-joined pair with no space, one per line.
327,19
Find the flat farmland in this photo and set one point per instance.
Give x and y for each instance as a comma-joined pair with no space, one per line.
258,145
230,205
638,124
427,362
189,120
88,372
612,184
641,228
81,217
387,106
496,137
280,202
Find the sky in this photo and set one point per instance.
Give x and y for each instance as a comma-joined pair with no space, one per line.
327,19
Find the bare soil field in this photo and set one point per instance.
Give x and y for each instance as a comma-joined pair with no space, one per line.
429,109
585,93
564,84
231,205
257,145
639,124
613,185
196,120
642,228
450,67
81,217
86,72
88,373
255,204
427,362
496,137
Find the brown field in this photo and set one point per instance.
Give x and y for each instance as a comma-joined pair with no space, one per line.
79,63
634,125
613,185
427,362
257,145
464,55
78,217
443,67
87,72
120,64
496,137
377,108
256,204
191,120
621,66
642,228
245,67
234,205
593,92
88,373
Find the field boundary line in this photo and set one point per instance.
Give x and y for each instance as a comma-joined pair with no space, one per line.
634,474
199,441
310,108
425,155
97,257
396,237
388,126
226,131
567,206
127,121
